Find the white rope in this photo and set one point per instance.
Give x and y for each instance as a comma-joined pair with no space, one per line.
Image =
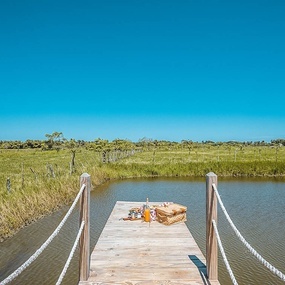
223,254
242,239
70,254
18,271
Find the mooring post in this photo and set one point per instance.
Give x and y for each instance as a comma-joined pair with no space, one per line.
84,251
211,239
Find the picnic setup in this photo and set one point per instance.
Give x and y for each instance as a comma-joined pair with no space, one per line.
167,213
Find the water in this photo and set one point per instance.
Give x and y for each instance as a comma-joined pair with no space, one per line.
256,206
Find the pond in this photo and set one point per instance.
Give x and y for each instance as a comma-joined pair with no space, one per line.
256,206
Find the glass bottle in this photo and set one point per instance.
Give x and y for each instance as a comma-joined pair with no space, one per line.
147,212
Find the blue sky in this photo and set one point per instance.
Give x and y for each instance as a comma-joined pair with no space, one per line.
166,70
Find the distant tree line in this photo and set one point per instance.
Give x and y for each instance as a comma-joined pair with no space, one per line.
56,141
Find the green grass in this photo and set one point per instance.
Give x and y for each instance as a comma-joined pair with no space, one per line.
35,190
41,182
223,160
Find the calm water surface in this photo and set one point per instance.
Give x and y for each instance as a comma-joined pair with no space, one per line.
257,208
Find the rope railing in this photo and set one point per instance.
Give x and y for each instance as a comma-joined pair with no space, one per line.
64,270
27,263
233,279
242,239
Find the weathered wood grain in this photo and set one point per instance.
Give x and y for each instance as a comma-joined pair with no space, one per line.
139,253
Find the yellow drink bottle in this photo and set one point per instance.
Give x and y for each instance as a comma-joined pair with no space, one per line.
147,212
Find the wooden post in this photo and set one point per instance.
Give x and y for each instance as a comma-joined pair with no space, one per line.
211,239
84,251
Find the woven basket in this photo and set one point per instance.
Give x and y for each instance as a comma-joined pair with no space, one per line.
174,213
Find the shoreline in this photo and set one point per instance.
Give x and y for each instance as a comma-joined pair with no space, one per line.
40,182
63,203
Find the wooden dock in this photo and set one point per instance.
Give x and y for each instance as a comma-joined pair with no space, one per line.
139,253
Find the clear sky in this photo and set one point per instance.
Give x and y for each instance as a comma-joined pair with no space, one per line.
128,69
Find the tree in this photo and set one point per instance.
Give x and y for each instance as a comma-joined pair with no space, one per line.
103,147
54,140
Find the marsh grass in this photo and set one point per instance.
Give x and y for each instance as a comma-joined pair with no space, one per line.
40,181
35,190
223,160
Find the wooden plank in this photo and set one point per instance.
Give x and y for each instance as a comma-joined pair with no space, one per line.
135,252
153,282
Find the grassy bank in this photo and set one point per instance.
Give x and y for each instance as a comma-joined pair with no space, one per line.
200,169
35,183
